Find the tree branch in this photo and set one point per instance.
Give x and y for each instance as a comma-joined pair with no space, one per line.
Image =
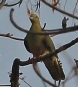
15,74
5,85
2,4
9,5
61,11
48,32
11,36
38,59
19,2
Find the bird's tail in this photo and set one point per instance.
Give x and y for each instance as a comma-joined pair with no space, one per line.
54,67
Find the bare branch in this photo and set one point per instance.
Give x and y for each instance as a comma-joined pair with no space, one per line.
48,32
9,5
11,36
65,5
2,4
69,77
15,74
25,82
74,11
5,85
61,11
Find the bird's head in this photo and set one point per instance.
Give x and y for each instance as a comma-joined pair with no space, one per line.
33,17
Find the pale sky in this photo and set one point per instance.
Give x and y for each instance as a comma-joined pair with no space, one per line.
11,49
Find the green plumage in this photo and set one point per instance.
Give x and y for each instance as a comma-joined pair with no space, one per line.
41,45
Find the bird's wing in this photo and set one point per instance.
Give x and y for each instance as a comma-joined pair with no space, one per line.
49,45
52,64
26,44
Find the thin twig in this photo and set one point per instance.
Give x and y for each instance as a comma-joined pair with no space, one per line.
9,5
11,36
65,5
25,82
75,7
5,85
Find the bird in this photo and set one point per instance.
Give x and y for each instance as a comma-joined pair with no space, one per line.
40,45
64,22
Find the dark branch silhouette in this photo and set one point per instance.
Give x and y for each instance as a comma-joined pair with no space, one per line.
11,36
15,74
9,5
5,85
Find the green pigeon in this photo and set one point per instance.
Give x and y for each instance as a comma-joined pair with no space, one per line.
41,45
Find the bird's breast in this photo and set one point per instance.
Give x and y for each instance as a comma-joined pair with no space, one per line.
35,45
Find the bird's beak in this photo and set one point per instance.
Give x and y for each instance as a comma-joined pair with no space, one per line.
30,17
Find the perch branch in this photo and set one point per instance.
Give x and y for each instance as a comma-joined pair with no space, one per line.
38,59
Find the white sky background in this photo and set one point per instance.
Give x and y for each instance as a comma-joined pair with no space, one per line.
11,49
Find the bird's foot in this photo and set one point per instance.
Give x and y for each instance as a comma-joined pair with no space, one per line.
39,57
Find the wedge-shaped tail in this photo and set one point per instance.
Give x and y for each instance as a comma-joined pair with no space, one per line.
54,67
